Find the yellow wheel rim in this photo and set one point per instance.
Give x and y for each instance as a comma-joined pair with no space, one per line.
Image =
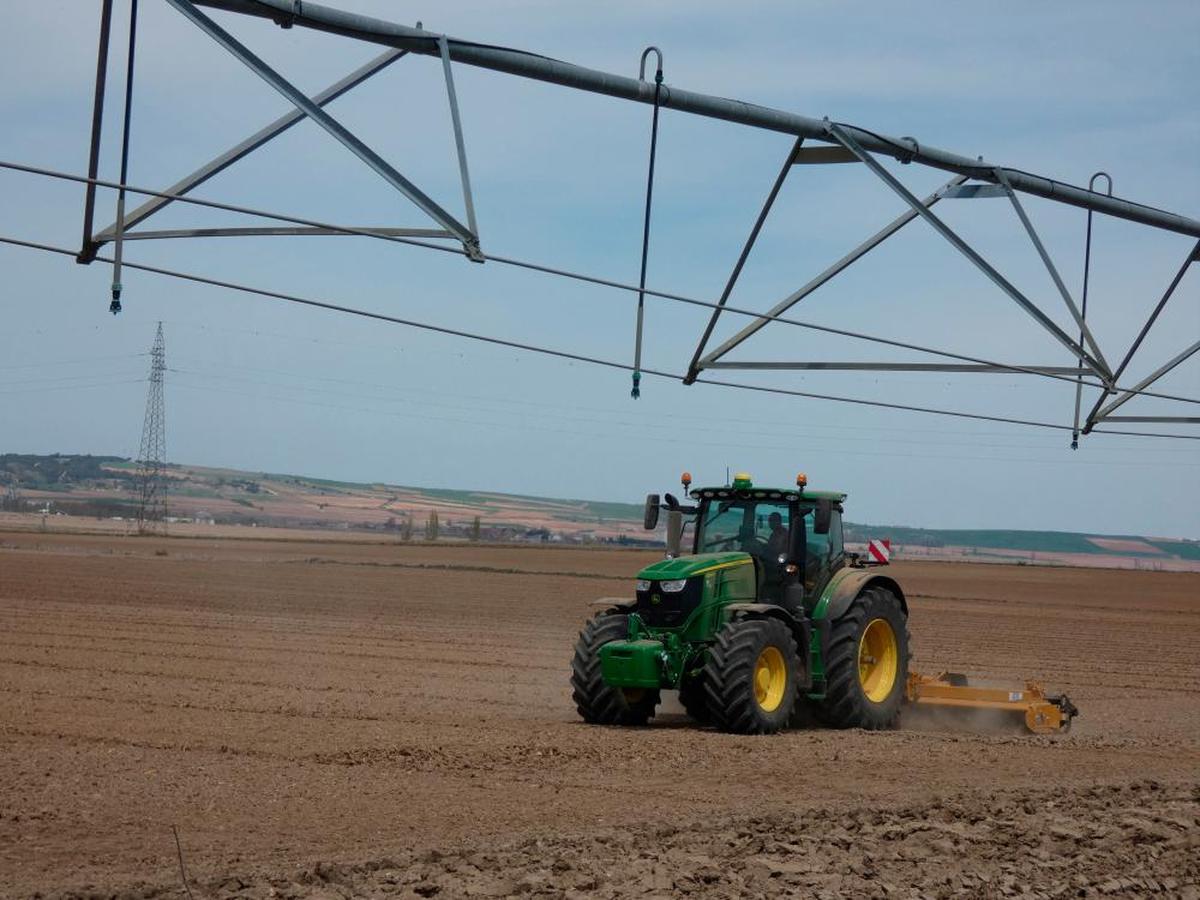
878,660
770,679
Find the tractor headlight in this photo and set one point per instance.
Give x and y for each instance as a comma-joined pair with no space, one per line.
673,587
643,584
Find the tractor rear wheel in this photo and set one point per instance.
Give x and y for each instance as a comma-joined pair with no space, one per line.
751,676
597,702
867,668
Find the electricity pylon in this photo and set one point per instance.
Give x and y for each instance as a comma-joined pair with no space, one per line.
152,458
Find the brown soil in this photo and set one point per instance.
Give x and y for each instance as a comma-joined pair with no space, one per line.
341,719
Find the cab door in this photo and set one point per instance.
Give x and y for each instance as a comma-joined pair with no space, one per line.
824,553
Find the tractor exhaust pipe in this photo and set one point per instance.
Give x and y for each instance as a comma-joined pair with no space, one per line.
674,533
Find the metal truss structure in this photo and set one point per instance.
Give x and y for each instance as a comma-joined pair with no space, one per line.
817,142
151,480
312,108
1091,360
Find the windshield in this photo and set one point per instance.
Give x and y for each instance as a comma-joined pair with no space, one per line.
753,526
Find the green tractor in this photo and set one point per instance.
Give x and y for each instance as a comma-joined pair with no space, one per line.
767,621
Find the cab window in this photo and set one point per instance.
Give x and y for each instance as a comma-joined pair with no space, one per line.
751,526
719,528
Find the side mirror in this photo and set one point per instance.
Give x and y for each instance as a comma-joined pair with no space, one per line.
650,519
824,517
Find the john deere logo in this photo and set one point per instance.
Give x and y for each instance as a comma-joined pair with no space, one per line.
655,599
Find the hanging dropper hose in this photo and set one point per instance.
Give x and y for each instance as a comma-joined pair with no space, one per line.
1087,264
637,350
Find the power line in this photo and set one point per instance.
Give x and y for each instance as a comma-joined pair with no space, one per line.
60,378
75,387
690,442
489,405
259,333
54,364
561,354
565,273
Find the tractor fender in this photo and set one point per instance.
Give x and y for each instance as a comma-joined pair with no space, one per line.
801,629
845,589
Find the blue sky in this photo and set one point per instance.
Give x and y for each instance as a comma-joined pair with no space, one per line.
1062,90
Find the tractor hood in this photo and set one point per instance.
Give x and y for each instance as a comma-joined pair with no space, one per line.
687,566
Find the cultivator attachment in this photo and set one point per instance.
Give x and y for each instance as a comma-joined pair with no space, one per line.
1043,713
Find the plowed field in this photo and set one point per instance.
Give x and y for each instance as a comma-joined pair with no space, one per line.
342,719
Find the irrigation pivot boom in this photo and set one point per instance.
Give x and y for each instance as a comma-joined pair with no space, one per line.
817,142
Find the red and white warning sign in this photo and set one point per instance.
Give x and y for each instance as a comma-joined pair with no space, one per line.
880,551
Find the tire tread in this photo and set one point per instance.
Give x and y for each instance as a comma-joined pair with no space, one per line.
597,702
844,705
729,673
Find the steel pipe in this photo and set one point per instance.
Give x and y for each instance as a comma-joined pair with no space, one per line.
898,367
542,68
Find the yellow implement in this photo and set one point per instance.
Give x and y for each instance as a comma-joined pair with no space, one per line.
1044,714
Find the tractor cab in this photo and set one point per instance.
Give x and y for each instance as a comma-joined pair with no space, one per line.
792,536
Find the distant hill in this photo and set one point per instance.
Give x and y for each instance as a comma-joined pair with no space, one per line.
102,486
56,469
1010,542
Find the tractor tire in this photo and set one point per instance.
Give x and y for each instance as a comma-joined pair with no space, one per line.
694,699
751,677
597,702
866,672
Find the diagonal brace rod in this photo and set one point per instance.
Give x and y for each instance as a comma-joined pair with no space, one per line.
694,366
372,159
843,137
459,143
239,151
89,197
1193,256
1145,382
857,253
1086,332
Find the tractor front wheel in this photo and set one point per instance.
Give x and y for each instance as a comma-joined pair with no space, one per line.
867,666
751,676
694,699
597,702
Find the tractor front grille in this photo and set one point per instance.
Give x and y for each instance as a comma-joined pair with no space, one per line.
659,609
